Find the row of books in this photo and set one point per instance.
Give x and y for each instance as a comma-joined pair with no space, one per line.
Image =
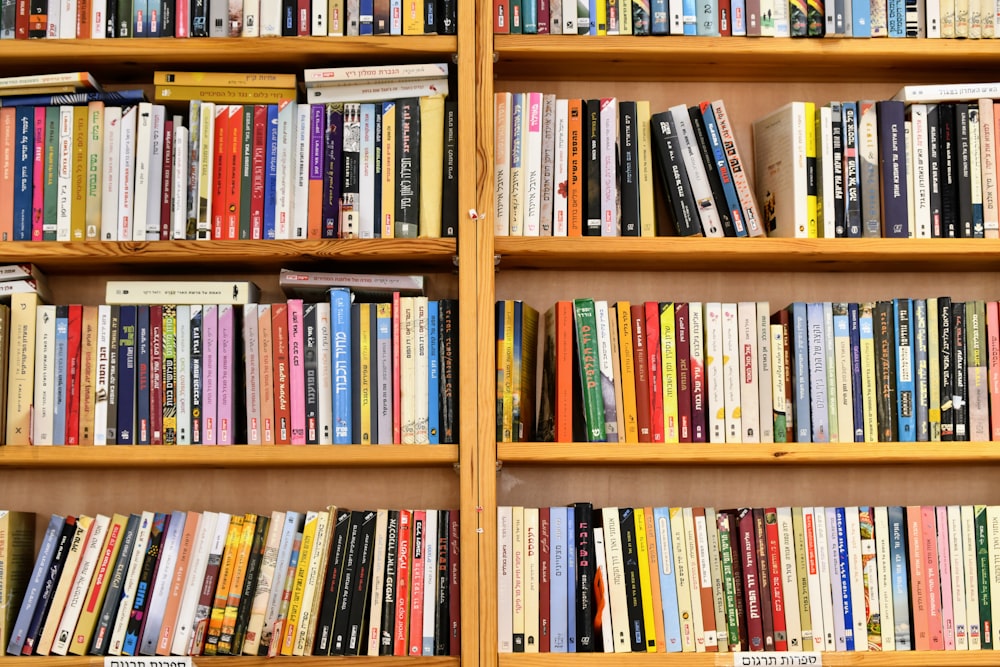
885,168
693,579
186,373
98,19
574,167
260,171
899,370
326,582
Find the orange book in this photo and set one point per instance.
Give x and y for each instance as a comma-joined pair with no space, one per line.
707,598
654,579
88,374
266,357
918,578
234,152
575,187
928,534
236,586
170,620
220,172
314,218
282,395
7,118
227,570
626,362
563,313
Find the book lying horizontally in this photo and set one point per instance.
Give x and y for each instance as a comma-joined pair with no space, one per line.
180,292
384,73
63,82
363,286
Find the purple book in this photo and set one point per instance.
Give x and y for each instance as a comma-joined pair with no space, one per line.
225,406
892,168
332,168
209,374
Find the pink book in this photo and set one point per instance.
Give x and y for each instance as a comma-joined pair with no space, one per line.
993,355
653,371
417,548
225,406
397,435
251,372
296,372
944,568
928,533
209,374
38,177
266,366
182,19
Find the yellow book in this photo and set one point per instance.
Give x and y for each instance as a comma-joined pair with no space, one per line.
94,602
413,17
335,18
802,577
21,373
647,201
17,550
78,189
324,535
683,574
388,221
95,161
508,371
431,164
206,160
616,356
601,19
290,629
626,352
226,634
226,572
365,397
230,79
812,208
642,548
223,94
668,361
868,389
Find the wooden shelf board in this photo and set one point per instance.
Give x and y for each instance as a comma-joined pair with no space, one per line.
130,256
240,456
872,659
672,253
244,661
602,454
743,59
116,59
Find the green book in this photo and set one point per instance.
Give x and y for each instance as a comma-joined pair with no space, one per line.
586,358
50,209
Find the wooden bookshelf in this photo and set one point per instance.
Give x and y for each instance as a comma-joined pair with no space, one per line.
900,659
217,661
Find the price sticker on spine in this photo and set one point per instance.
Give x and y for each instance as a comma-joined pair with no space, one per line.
808,659
148,662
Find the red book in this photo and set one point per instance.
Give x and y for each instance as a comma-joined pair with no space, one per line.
22,19
416,638
544,585
928,533
575,177
918,578
653,371
544,16
397,435
257,171
774,573
156,375
167,190
501,17
282,390
751,582
400,632
564,372
454,590
682,323
763,579
234,154
304,18
640,360
725,18
220,173
73,362
707,598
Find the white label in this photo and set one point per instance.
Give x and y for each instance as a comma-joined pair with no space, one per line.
149,662
745,659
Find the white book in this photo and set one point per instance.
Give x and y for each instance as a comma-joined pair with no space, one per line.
676,16
379,91
883,557
292,525
67,19
45,375
378,583
694,578
789,579
102,377
505,579
814,586
957,571
300,203
131,583
366,227
610,225
568,18
420,374
98,19
531,583
911,213
126,171
517,570
314,584
600,557
823,568
711,224
216,546
430,577
155,190
780,167
193,579
58,600
948,92
81,584
110,175
265,583
993,530
970,571
732,373
65,177
165,565
396,17
716,395
988,165
549,184
501,163
825,180
748,365
853,529
143,170
178,203
617,597
560,201
270,18
871,586
531,164
844,396
206,169
324,362
284,211
251,19
683,574
765,363
975,160
606,367
921,171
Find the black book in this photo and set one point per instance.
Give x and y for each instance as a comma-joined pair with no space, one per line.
387,623
430,17
59,555
441,608
586,566
348,573
947,368
959,367
852,176
592,166
934,161
711,170
963,170
144,591
837,144
113,598
38,25
112,383
447,17
448,360
246,172
124,11
310,369
905,348
883,322
449,187
408,167
199,18
763,579
289,27
673,175
361,595
948,171
111,19
350,193
167,20
734,542
331,587
250,582
633,589
629,168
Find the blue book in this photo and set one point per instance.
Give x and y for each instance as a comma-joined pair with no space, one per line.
900,579
833,545
142,377
891,116
799,346
63,543
818,394
737,18
127,320
895,15
659,23
854,331
271,172
366,18
845,576
592,28
921,369
171,546
143,593
690,14
861,18
62,362
708,19
842,333
111,98
571,580
24,155
140,18
529,17
668,581
33,592
906,417
154,18
433,373
722,168
340,329
558,582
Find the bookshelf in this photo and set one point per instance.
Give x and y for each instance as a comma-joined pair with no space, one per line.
753,77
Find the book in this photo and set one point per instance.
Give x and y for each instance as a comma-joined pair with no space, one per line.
780,153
